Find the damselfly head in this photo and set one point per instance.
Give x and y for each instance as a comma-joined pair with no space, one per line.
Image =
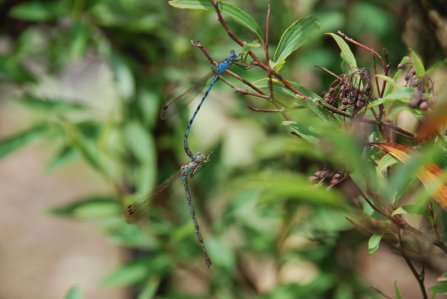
199,158
233,55
132,214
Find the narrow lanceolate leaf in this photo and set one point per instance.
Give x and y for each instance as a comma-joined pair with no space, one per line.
89,208
427,174
346,53
287,186
374,243
15,142
227,9
403,94
299,33
418,65
397,291
35,11
49,105
396,76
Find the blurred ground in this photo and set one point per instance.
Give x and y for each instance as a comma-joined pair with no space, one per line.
42,256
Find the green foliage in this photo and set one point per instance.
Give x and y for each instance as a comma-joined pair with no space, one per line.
295,36
313,171
374,243
228,10
74,293
17,141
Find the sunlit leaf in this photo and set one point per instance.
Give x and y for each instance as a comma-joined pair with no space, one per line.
398,211
374,243
295,36
227,9
350,63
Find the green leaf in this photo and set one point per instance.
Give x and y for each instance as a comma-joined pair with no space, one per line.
418,210
12,68
50,105
227,9
62,157
150,288
308,133
396,75
398,211
36,11
385,162
16,141
78,41
278,186
299,33
397,291
350,63
124,77
221,254
374,243
277,66
139,141
85,144
127,274
439,288
418,65
315,107
90,208
138,270
74,292
403,94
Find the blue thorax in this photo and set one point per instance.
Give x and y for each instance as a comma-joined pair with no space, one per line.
224,65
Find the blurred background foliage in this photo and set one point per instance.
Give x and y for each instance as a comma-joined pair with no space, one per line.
93,75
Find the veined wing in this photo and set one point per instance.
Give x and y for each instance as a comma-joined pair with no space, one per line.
135,211
187,97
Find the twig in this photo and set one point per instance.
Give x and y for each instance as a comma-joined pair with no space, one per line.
255,109
381,293
385,66
256,60
266,48
420,276
200,46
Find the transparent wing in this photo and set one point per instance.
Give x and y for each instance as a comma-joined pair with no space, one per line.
135,211
185,98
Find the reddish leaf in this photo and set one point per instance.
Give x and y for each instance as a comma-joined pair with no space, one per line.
426,174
